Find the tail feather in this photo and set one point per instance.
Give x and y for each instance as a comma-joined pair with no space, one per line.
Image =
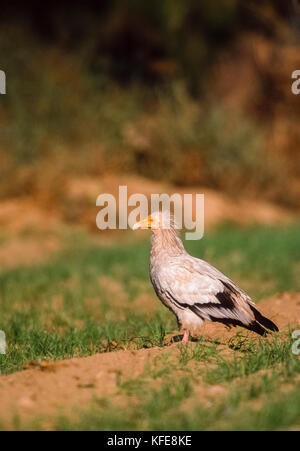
265,322
256,327
260,324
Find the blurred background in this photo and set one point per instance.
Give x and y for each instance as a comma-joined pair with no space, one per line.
189,94
181,96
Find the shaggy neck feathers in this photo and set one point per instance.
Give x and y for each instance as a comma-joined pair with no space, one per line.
166,241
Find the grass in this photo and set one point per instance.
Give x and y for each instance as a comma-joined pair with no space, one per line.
60,308
260,405
199,352
85,300
262,356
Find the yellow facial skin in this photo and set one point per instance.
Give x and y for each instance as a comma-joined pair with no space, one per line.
152,222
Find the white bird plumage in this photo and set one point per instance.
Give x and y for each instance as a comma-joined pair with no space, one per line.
192,288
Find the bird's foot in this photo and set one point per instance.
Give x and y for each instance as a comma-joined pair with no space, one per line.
185,338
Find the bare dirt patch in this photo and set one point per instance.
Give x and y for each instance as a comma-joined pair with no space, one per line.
218,206
27,251
30,227
24,214
60,386
28,232
47,388
284,309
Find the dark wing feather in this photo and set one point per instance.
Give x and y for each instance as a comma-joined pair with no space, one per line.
230,309
195,285
267,323
228,301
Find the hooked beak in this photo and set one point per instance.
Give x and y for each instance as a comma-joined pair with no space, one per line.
143,224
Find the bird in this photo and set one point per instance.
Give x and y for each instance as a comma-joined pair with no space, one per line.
193,289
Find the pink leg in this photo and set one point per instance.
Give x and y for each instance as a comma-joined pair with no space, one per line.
185,338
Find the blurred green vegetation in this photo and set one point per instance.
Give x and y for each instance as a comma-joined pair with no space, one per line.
136,87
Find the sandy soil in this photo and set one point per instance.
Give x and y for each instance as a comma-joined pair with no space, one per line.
48,388
30,229
218,206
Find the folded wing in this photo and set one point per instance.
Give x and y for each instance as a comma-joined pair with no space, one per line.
193,284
